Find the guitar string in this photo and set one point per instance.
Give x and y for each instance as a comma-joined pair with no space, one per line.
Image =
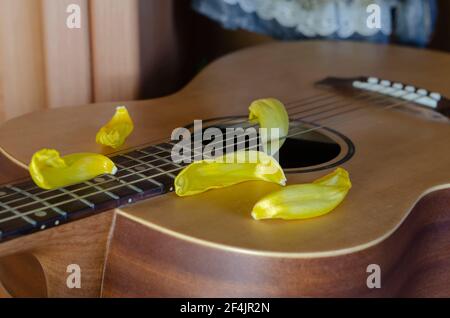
149,162
303,99
228,120
153,142
127,168
164,173
89,186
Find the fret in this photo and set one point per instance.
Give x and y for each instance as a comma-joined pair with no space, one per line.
10,196
152,150
163,162
136,154
30,187
196,152
126,192
75,208
166,160
76,197
111,195
12,222
95,195
8,209
143,172
12,225
161,176
128,174
116,186
118,159
165,146
38,200
45,215
75,205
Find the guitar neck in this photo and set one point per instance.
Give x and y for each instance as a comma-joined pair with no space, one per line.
142,173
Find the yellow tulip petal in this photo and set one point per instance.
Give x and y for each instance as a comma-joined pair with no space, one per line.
114,133
50,171
304,201
228,170
270,113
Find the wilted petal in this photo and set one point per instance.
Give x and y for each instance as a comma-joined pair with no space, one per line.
270,114
305,200
228,170
50,171
114,133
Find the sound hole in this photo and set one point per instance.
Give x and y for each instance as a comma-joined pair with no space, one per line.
307,150
307,146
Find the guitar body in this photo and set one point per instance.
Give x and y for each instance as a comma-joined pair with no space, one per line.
396,215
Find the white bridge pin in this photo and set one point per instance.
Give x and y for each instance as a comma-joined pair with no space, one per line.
435,96
410,89
422,92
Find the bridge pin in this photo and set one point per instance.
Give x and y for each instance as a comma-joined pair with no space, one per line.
435,96
422,92
410,89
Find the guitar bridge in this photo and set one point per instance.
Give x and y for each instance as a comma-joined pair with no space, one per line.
406,94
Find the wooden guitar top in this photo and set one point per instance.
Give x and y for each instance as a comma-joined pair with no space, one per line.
398,157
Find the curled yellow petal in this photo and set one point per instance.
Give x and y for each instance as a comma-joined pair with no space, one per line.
50,171
228,170
114,133
304,201
272,117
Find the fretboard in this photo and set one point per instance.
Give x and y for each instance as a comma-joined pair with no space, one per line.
142,173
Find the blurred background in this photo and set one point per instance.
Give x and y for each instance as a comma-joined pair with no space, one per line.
139,49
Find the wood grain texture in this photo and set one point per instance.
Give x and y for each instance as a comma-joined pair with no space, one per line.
115,49
3,292
414,262
67,55
23,276
21,46
81,242
124,49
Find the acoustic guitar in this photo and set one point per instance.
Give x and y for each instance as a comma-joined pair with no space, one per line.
378,111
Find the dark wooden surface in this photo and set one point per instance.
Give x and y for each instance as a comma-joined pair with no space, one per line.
414,262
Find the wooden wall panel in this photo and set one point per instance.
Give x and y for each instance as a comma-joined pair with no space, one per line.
22,61
125,50
166,48
67,54
115,49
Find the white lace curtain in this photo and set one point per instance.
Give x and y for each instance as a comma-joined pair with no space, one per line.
319,17
297,19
